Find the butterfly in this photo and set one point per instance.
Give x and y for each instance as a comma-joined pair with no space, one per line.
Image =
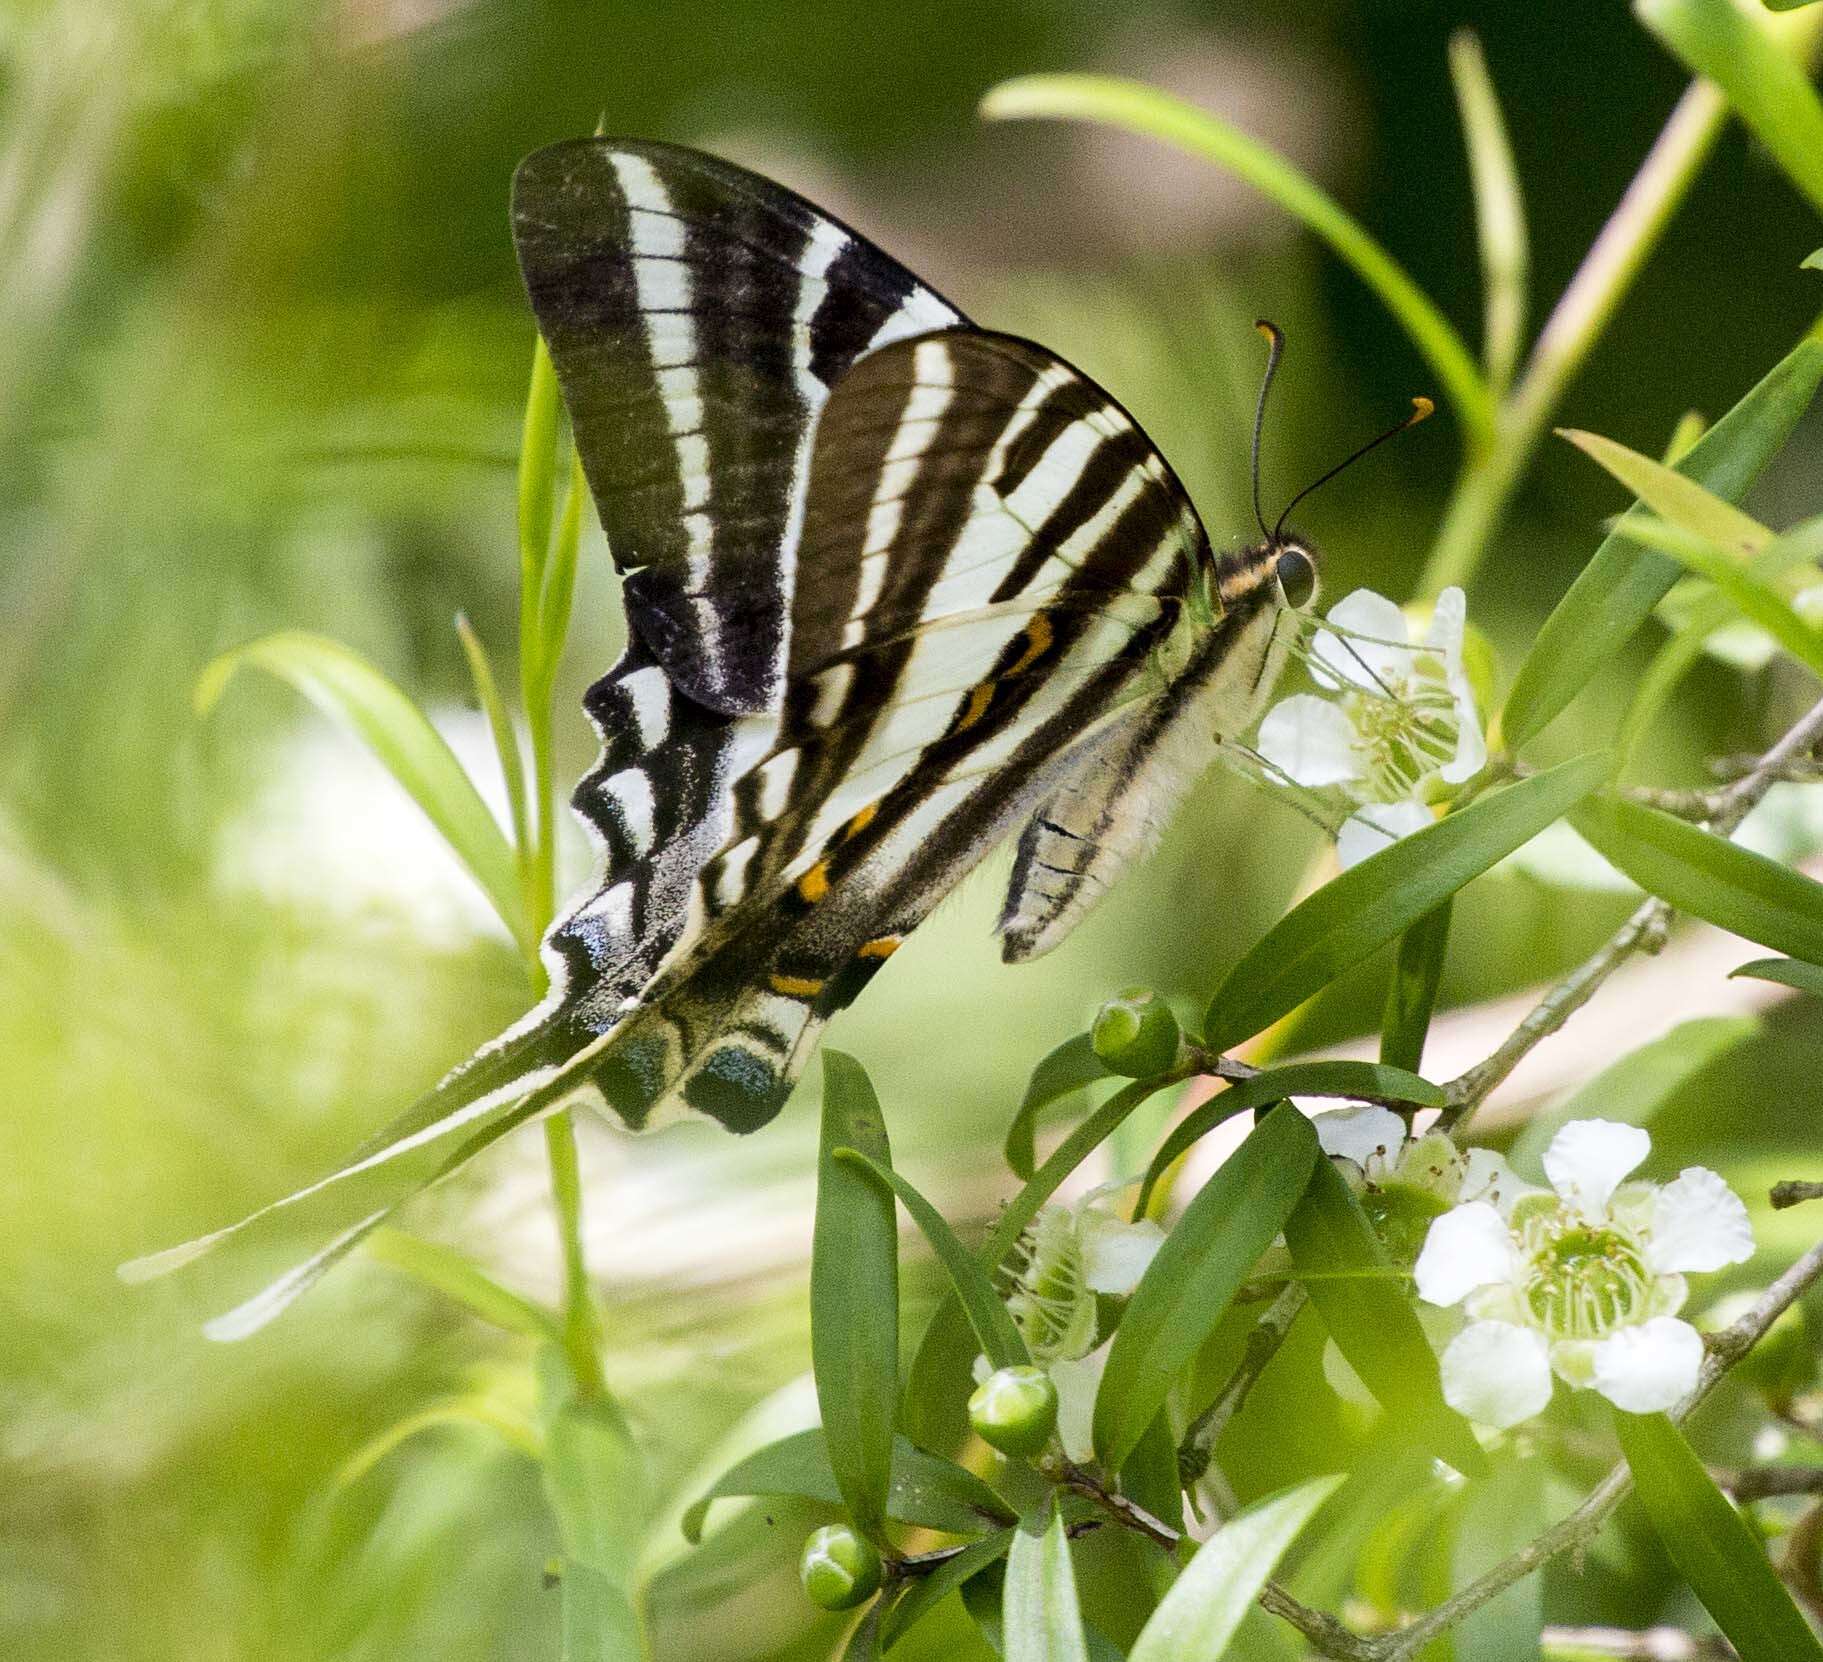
897,588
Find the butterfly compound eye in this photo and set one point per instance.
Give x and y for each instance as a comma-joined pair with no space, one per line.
1297,574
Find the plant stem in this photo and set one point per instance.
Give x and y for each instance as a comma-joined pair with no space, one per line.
1198,1447
1645,929
1492,473
581,1330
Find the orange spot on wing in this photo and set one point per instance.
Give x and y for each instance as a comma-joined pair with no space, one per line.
862,820
881,946
1038,638
814,884
978,700
795,986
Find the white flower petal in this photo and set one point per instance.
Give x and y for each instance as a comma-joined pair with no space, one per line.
1588,1159
1487,1176
1468,1247
1116,1254
1650,1367
1359,1133
1698,1223
1449,622
1310,740
1077,1382
1371,664
1376,826
1471,745
1497,1373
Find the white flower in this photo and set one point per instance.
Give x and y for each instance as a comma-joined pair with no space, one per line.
1583,1280
1399,724
1067,1257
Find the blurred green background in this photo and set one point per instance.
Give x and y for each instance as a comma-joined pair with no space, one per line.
262,357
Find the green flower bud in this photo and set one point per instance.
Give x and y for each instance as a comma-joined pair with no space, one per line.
1014,1410
839,1570
1135,1034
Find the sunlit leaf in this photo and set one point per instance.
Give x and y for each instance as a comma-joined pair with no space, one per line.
854,1296
987,1314
1372,1080
1806,978
1070,1067
593,1479
1616,592
925,1489
1769,88
357,696
1040,1620
1678,498
1356,914
1136,108
1368,1310
1197,1271
1197,1618
1707,876
1712,1546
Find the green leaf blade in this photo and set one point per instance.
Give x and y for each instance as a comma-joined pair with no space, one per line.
1196,1274
1616,592
1136,108
854,1296
1072,1066
987,1313
1040,1618
1712,1545
1411,996
1788,972
363,701
1700,873
1199,1616
1354,915
1369,1314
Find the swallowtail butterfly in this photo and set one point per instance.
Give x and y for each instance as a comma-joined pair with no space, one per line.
897,587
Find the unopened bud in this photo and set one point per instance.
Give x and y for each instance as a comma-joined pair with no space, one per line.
1014,1410
1135,1034
839,1570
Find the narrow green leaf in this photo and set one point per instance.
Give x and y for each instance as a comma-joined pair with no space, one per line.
854,1296
1356,914
1136,108
1669,666
1500,223
1197,1618
1789,6
1616,591
557,590
500,725
1411,995
594,1479
456,1277
1070,1067
1372,1080
931,1590
1788,972
537,470
1634,1088
1197,1271
358,697
1680,499
1368,1311
1712,1545
1747,593
939,1382
926,1489
1769,88
1150,1476
1713,879
1040,1620
864,1643
987,1314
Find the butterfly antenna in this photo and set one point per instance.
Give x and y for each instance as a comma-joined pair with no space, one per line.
1275,349
1421,409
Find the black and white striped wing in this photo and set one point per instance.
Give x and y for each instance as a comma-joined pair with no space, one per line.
697,316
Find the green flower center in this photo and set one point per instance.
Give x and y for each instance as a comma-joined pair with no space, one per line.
1403,737
1583,1280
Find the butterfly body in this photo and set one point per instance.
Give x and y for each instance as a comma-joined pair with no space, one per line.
897,588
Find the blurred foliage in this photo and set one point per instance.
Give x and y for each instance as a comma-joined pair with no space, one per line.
261,366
